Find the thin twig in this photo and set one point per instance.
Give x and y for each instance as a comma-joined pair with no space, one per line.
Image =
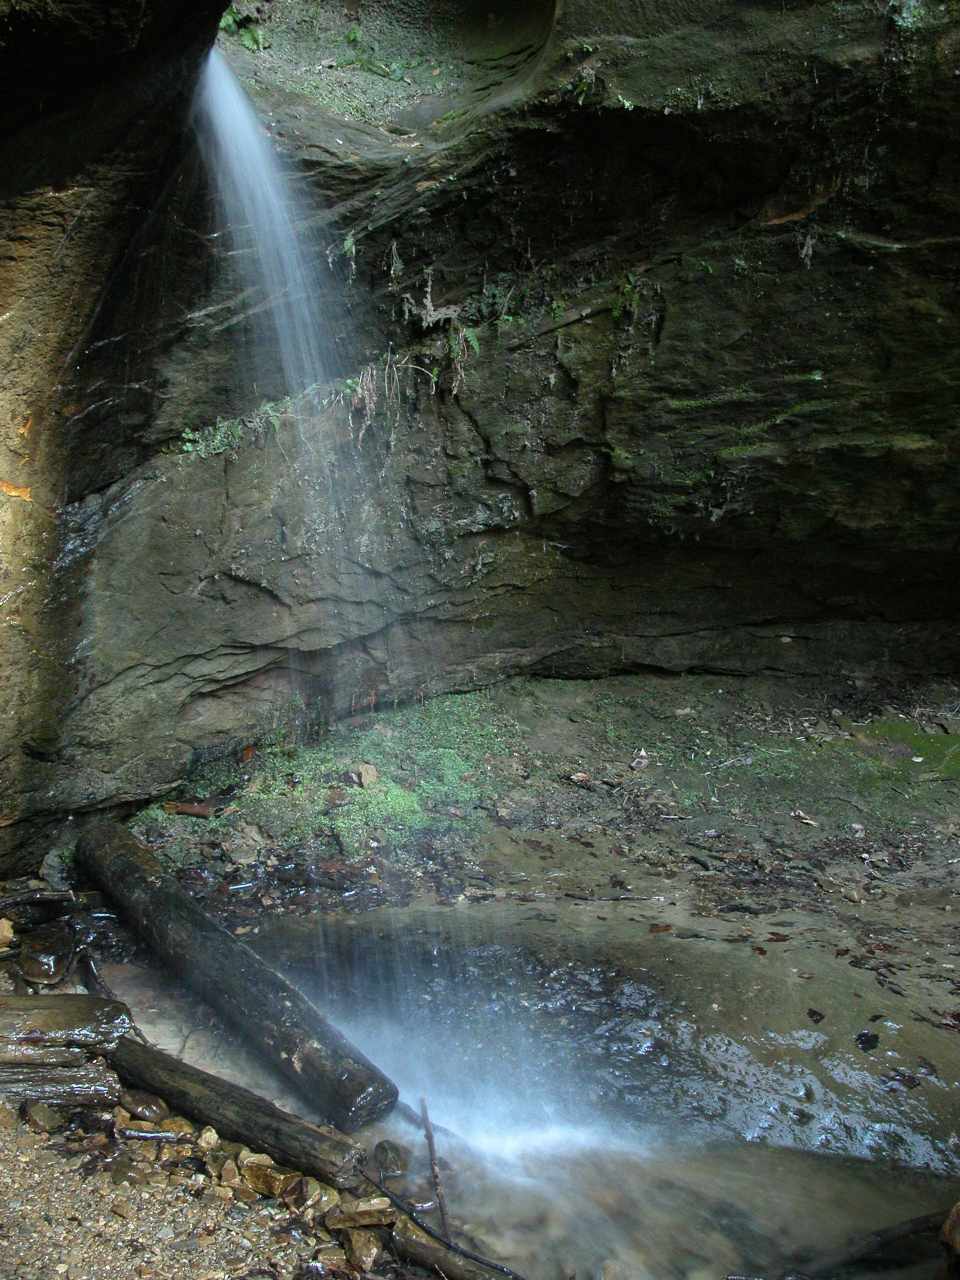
30,897
435,1168
434,1234
95,983
590,897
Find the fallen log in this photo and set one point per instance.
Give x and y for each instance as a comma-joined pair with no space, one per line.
270,1012
865,1246
57,1029
89,1084
238,1114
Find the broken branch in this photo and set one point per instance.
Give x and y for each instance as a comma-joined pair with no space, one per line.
273,1015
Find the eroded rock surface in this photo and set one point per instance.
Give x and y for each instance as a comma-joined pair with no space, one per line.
648,364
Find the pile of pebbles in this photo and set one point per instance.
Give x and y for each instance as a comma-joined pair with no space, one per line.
139,1192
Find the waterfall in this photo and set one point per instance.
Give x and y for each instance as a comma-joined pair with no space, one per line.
260,212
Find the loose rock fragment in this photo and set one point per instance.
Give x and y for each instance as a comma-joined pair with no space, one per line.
391,1158
143,1105
42,1118
268,1179
209,1138
310,1194
362,1247
376,1211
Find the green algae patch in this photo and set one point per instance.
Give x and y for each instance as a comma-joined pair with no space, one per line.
901,745
393,778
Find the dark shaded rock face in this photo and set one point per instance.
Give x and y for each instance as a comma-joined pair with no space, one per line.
650,362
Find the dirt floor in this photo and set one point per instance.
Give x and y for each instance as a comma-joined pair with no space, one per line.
772,864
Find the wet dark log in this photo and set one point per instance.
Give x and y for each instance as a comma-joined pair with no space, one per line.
57,1029
90,1084
238,1114
866,1246
271,1013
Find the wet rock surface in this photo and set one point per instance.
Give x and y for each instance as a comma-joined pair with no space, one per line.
697,415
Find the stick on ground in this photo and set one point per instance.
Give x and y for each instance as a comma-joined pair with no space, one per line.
435,1169
273,1015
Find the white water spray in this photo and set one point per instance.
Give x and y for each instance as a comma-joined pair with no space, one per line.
261,214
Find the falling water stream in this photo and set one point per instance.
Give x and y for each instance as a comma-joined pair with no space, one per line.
542,1174
265,223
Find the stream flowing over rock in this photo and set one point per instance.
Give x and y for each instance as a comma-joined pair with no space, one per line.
642,324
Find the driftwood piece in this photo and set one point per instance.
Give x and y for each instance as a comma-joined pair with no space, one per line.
89,1084
34,897
271,1013
238,1114
57,1029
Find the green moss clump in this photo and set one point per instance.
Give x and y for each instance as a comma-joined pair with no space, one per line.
435,765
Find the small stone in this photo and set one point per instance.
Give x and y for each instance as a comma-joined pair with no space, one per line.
307,1193
6,932
209,1138
368,774
331,1257
8,1117
121,1170
122,1208
230,1174
245,1156
362,1247
143,1126
178,1126
143,1152
376,1211
144,1106
223,1193
268,1179
246,1195
42,1118
391,1158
